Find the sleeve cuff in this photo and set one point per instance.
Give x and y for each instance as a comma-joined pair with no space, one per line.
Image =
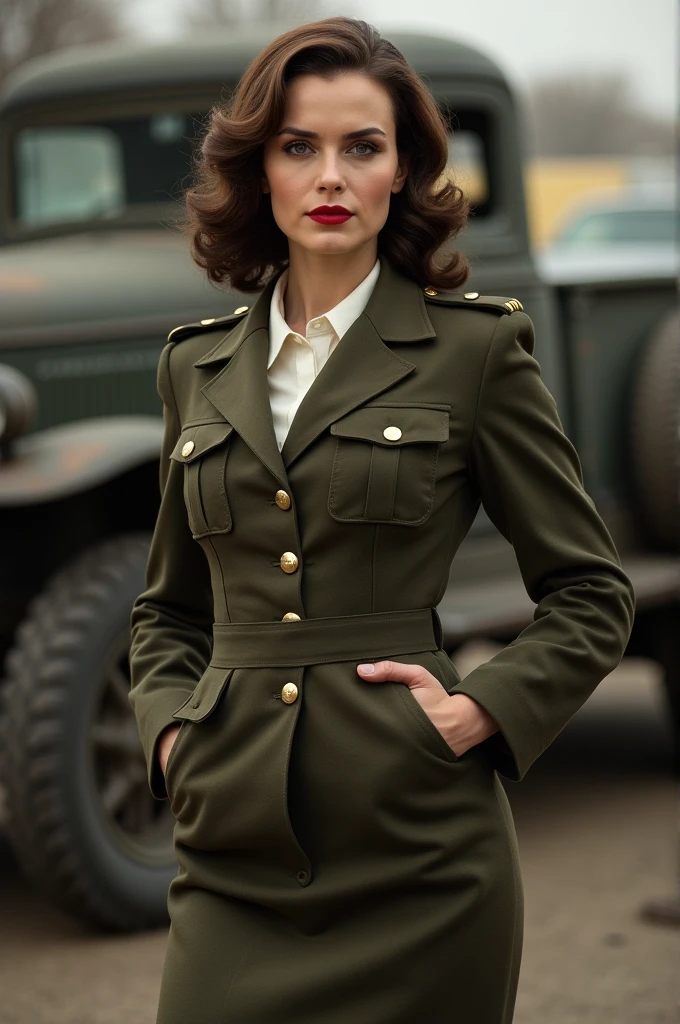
510,750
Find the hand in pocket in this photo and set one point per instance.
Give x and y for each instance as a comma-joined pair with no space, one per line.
168,737
461,720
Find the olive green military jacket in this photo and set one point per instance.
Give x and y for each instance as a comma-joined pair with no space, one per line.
374,517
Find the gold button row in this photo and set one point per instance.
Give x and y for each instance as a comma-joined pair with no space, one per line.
288,560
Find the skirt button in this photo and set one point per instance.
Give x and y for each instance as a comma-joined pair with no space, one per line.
288,561
289,693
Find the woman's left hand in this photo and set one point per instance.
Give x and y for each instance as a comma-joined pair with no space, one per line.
461,720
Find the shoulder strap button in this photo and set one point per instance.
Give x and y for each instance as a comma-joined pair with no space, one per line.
500,303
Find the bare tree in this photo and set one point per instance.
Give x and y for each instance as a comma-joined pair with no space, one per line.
594,114
32,28
199,14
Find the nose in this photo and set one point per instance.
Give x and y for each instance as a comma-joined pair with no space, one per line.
330,178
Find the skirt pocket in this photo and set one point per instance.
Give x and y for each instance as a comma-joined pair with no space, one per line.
198,707
418,718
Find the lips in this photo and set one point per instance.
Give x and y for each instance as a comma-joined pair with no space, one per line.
330,214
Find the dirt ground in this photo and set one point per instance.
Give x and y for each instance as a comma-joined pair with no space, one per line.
597,819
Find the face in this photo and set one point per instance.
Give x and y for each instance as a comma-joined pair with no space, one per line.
336,147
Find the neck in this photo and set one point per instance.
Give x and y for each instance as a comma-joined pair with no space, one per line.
318,282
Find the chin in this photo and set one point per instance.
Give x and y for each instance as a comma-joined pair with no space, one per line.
328,245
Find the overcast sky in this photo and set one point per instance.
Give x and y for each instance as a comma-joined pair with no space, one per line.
526,37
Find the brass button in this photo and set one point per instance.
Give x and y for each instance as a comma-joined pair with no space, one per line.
290,617
282,499
288,561
210,321
289,693
392,433
241,309
472,295
188,448
430,291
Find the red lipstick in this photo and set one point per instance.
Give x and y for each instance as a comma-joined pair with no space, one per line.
330,214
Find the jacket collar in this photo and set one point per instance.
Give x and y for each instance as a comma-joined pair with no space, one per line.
360,367
338,319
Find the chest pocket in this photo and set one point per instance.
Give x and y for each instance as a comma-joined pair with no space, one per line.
204,449
385,463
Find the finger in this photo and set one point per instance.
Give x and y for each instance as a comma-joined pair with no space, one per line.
396,671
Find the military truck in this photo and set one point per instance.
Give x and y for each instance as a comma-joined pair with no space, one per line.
96,146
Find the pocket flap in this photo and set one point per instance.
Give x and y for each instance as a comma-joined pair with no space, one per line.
207,693
415,423
197,440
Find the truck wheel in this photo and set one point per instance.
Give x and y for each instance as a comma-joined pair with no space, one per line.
81,818
655,432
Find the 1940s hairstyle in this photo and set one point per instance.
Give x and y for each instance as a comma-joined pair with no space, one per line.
230,223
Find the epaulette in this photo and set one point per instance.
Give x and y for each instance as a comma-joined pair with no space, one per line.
177,333
501,303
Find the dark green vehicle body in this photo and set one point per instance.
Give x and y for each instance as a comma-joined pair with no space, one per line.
92,282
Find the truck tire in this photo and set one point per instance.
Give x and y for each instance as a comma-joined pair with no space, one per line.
655,433
81,818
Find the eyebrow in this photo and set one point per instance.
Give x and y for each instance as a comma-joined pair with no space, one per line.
314,135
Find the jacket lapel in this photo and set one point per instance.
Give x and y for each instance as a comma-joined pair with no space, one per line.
240,390
360,367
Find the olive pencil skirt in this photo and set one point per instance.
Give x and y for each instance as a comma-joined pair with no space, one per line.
338,863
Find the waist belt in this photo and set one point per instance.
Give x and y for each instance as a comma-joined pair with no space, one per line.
328,638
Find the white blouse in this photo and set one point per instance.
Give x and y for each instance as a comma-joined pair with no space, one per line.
294,361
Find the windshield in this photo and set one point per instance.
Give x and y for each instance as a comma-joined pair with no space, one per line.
124,168
625,226
102,168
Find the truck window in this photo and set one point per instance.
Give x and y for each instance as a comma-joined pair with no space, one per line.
469,156
68,174
100,169
466,161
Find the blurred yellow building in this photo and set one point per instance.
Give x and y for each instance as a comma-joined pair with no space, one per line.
554,188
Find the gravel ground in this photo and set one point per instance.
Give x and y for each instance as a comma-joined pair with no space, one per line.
597,823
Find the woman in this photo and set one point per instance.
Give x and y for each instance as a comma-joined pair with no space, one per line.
346,849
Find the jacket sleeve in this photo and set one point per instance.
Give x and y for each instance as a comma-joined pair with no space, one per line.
171,621
530,481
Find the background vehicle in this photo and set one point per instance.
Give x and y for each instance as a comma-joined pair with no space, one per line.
633,234
95,147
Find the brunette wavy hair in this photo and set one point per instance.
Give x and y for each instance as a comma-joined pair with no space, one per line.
229,220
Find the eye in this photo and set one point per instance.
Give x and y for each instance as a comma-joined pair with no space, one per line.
288,148
370,147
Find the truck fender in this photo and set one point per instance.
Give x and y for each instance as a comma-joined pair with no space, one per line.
71,458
